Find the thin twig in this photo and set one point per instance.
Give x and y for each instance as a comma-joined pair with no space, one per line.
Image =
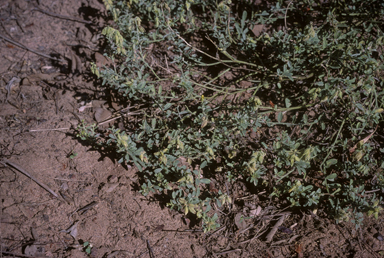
334,143
6,162
151,255
227,252
117,117
29,49
224,62
285,17
15,254
44,130
217,231
254,237
246,229
87,207
68,180
275,228
372,191
62,16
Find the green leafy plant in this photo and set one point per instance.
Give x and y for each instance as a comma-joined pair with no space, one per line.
72,155
87,247
292,110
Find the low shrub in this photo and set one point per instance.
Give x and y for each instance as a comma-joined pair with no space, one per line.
285,96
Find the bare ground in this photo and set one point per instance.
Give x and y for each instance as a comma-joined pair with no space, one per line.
98,199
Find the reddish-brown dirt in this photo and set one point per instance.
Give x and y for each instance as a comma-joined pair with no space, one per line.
99,200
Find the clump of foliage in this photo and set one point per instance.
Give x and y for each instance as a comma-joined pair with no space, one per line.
294,109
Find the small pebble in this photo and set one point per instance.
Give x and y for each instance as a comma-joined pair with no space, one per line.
379,237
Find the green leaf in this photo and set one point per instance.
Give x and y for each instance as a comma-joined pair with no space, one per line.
168,105
279,117
205,181
244,17
330,162
287,103
331,177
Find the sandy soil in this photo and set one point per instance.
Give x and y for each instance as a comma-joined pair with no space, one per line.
98,200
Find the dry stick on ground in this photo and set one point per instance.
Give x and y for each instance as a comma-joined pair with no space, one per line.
44,130
116,117
275,228
217,231
119,114
150,250
62,16
29,49
15,254
6,162
229,251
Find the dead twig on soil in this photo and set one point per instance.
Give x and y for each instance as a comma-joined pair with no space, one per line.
29,49
227,252
44,130
68,180
217,231
116,116
275,228
119,114
150,251
6,163
62,16
254,237
116,253
86,207
15,254
151,255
